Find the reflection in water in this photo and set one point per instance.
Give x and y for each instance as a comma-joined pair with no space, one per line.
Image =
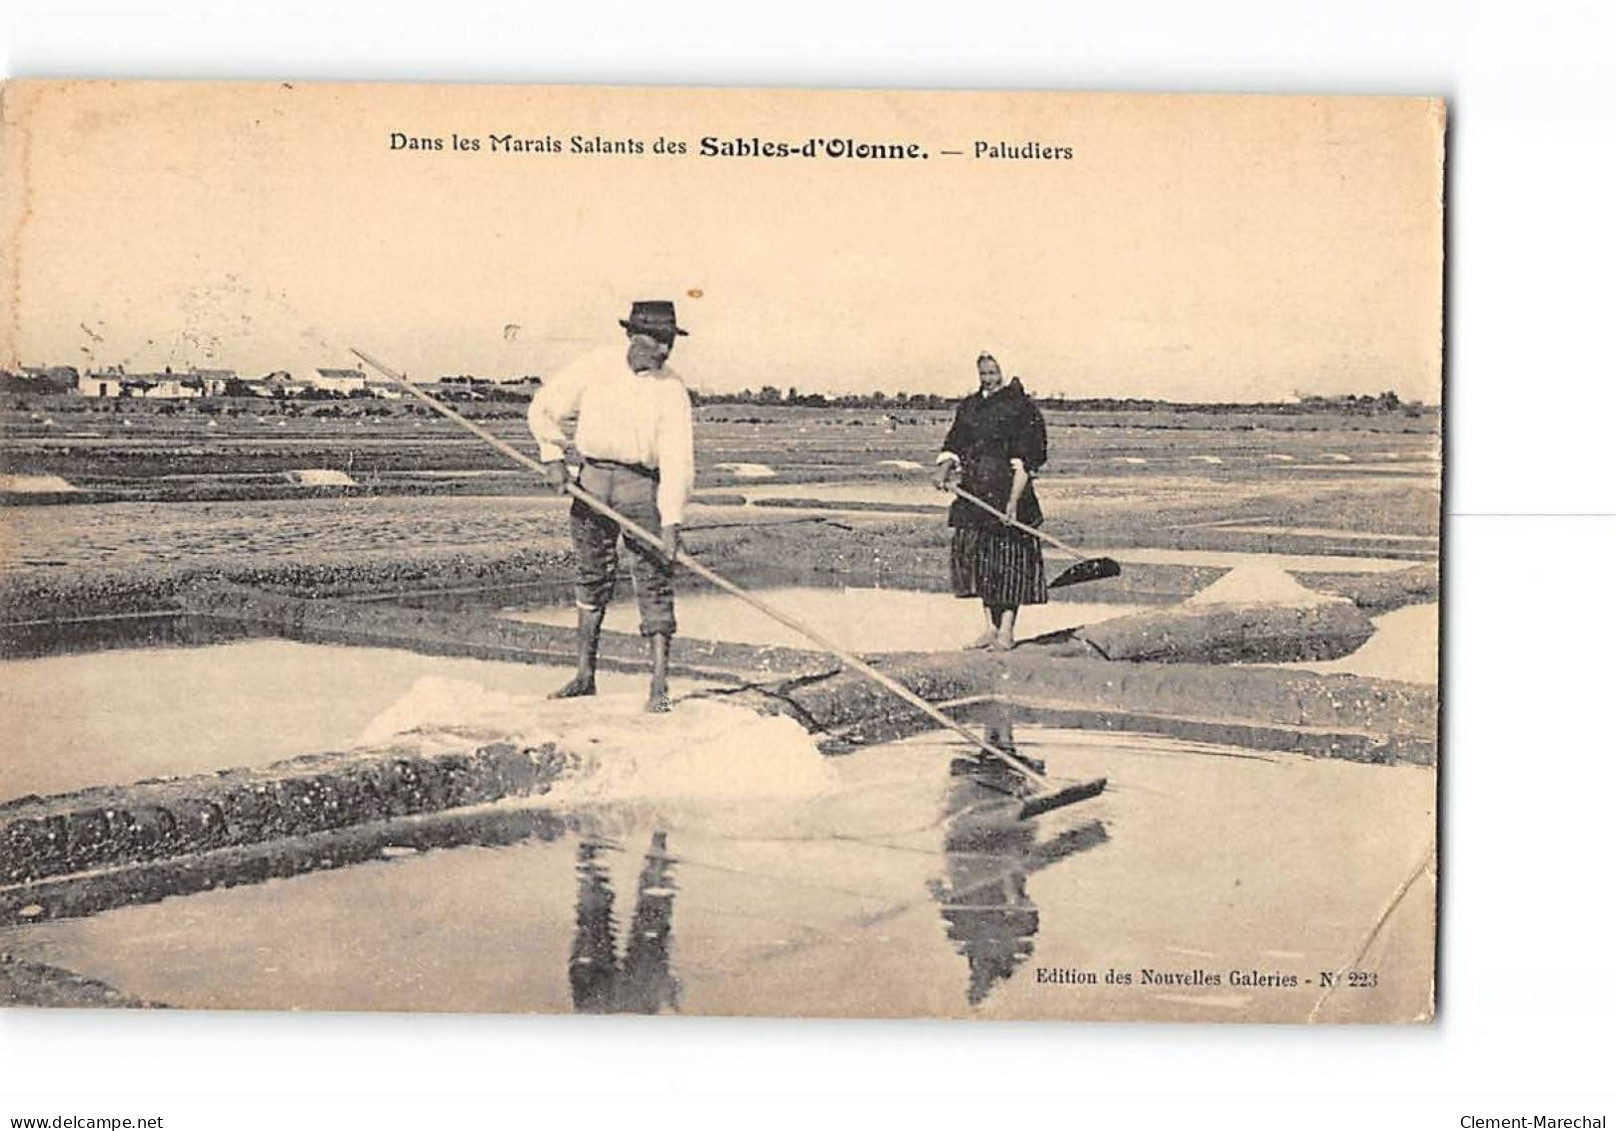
593,965
990,916
989,853
24,640
642,982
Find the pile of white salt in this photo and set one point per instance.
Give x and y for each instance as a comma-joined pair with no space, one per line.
703,749
1259,583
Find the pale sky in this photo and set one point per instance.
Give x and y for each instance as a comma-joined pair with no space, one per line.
1193,248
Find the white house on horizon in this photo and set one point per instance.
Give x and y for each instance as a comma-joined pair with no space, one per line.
344,382
104,383
114,382
213,380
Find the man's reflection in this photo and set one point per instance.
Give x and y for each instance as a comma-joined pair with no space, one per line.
593,965
642,982
988,854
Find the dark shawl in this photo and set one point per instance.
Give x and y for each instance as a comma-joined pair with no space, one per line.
988,433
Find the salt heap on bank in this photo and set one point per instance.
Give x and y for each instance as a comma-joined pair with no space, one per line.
319,477
702,750
1255,613
747,470
1260,583
35,484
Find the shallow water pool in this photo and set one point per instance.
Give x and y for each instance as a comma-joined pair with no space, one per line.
1403,647
901,888
859,620
106,718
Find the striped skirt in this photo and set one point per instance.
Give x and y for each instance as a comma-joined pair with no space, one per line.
1002,566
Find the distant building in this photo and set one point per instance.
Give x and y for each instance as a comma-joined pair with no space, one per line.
114,382
164,386
267,385
281,384
212,381
45,378
102,383
343,382
173,387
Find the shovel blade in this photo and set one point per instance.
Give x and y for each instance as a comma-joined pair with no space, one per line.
1061,798
1089,569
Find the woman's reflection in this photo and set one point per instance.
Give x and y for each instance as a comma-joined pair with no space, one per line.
989,853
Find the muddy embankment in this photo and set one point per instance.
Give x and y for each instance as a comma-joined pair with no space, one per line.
482,635
1377,593
67,592
252,489
87,839
1173,536
38,984
1221,634
1336,716
906,554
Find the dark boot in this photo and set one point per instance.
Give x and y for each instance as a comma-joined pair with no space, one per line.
589,621
658,702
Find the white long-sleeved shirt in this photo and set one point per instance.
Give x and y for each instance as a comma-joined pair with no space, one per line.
623,416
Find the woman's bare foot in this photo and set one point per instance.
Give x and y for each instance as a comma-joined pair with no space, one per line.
1001,644
576,688
984,641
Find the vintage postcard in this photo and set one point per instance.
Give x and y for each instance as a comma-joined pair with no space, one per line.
750,552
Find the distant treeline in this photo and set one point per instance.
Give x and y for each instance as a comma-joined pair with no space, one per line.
467,388
770,395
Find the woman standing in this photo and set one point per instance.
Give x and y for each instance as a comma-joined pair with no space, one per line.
993,450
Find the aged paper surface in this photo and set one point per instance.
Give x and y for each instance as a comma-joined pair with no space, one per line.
1056,485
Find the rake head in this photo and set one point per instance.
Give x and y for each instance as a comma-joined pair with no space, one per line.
1089,569
1061,798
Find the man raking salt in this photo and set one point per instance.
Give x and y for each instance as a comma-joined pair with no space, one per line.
635,437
